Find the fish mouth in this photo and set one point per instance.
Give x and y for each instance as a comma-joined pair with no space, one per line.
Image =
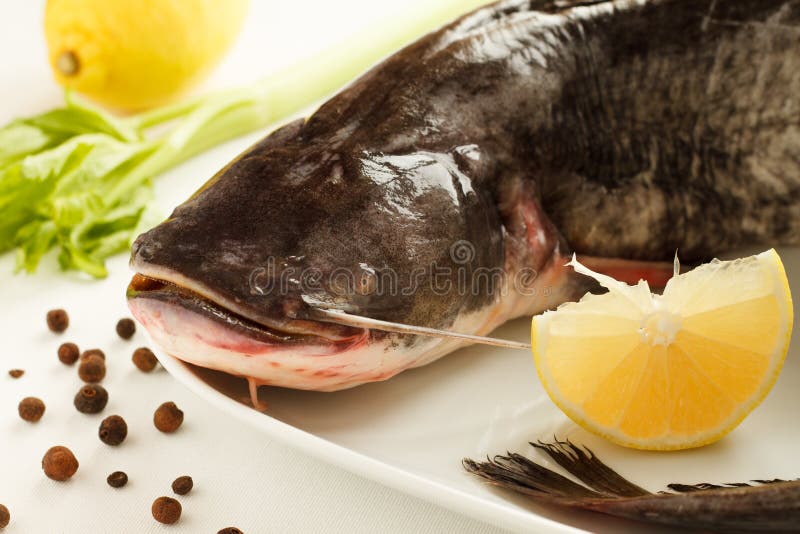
299,354
151,298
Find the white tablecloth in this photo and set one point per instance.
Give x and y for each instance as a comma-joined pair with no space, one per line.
241,477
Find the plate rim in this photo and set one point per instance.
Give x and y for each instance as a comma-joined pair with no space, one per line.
412,484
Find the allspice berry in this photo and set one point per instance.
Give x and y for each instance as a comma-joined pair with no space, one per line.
91,398
230,530
92,368
68,353
113,430
57,320
126,328
166,510
182,485
168,417
59,463
16,373
5,516
117,479
93,352
31,409
144,359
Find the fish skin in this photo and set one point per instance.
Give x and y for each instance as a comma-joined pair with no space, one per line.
527,130
704,133
773,507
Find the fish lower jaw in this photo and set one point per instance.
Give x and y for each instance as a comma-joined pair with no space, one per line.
203,341
209,338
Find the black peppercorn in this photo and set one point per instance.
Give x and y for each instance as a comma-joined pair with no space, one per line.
31,409
230,530
126,328
91,398
144,359
59,463
182,485
117,479
5,516
92,368
57,320
113,430
16,373
166,510
68,353
168,417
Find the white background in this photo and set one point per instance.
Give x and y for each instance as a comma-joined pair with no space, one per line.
241,478
475,402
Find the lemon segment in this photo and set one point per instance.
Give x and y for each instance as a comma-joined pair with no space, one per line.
669,371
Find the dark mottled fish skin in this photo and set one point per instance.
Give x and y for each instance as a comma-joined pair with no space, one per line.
686,117
616,129
759,506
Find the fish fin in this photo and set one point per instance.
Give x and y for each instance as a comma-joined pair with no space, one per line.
758,506
582,463
518,472
526,476
655,273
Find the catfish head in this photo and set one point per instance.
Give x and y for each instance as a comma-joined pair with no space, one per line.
235,278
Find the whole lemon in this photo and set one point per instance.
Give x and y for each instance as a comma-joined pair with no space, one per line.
136,54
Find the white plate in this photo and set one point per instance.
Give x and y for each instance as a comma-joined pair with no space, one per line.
412,431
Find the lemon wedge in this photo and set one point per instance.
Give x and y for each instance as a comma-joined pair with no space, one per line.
669,371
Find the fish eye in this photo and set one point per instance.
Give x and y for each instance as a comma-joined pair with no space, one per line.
366,283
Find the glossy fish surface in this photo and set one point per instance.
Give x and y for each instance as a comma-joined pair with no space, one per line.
448,185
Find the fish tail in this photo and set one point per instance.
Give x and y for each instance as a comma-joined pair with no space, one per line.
756,506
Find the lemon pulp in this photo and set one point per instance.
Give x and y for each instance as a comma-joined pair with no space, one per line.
669,371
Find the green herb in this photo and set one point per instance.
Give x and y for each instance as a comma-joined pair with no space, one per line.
79,179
